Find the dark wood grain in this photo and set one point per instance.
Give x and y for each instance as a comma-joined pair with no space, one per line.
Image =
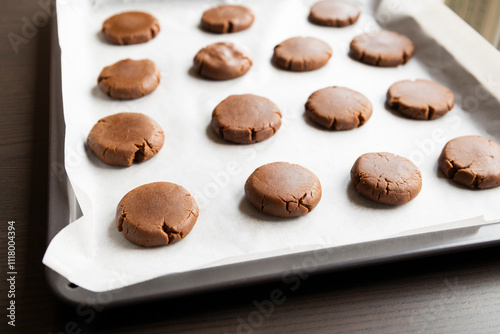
458,293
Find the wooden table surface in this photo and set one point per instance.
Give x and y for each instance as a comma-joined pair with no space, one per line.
457,293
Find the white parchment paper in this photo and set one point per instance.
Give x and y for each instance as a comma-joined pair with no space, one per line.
90,251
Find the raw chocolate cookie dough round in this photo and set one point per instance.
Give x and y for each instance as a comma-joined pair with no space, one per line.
125,138
472,161
221,61
283,189
420,99
227,18
246,119
382,48
338,108
129,79
386,178
300,54
130,28
334,13
156,214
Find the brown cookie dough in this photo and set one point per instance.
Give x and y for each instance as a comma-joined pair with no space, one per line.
130,28
300,54
156,214
227,19
338,108
420,99
283,189
221,61
382,48
245,119
472,161
129,79
386,178
125,138
334,13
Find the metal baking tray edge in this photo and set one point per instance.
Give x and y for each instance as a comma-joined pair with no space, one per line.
232,275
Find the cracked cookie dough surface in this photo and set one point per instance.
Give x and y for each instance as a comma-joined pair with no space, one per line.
130,28
246,119
227,19
386,178
472,161
382,48
129,79
300,54
283,189
420,99
338,108
334,13
156,214
221,61
125,138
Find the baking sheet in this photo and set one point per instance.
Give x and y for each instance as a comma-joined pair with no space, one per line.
92,254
